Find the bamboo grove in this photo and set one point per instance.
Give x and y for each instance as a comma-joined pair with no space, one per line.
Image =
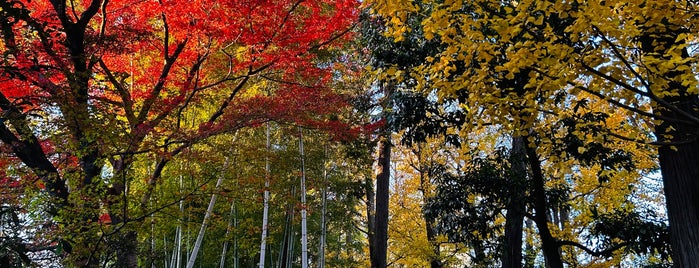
343,133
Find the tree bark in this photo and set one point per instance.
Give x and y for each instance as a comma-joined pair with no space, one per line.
382,197
127,251
304,231
370,212
679,160
548,243
516,205
323,211
205,221
265,209
680,170
430,230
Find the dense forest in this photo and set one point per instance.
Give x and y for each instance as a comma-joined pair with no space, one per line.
349,133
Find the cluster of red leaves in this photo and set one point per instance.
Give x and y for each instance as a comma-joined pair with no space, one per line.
149,60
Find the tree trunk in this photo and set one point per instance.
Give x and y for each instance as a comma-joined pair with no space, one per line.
265,209
679,163
425,190
370,213
231,217
516,205
680,170
205,221
304,231
548,242
127,251
436,260
382,197
324,196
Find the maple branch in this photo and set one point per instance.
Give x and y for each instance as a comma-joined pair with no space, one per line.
166,38
28,149
241,84
169,62
332,39
286,18
72,10
90,12
103,24
190,76
157,172
123,93
600,253
60,7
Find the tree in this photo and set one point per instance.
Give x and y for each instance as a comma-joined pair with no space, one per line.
105,81
632,55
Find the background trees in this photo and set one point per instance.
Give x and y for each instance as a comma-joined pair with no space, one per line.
505,133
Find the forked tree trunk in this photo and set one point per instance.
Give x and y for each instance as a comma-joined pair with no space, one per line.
549,244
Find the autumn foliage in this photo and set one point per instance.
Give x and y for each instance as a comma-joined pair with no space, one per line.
88,85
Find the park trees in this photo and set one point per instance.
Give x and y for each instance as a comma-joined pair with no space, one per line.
88,86
520,64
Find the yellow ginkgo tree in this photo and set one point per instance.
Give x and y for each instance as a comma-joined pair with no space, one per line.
633,56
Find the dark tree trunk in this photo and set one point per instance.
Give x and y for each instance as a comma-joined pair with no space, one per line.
370,206
680,170
127,252
436,261
516,205
679,127
382,197
548,242
425,190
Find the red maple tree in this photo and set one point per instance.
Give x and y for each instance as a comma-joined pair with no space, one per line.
86,83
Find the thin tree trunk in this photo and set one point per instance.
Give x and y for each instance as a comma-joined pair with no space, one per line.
265,209
229,225
425,190
324,196
304,231
370,214
530,254
286,252
548,242
436,260
205,222
516,205
176,260
152,238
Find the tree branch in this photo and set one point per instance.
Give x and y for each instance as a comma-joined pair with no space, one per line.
600,253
